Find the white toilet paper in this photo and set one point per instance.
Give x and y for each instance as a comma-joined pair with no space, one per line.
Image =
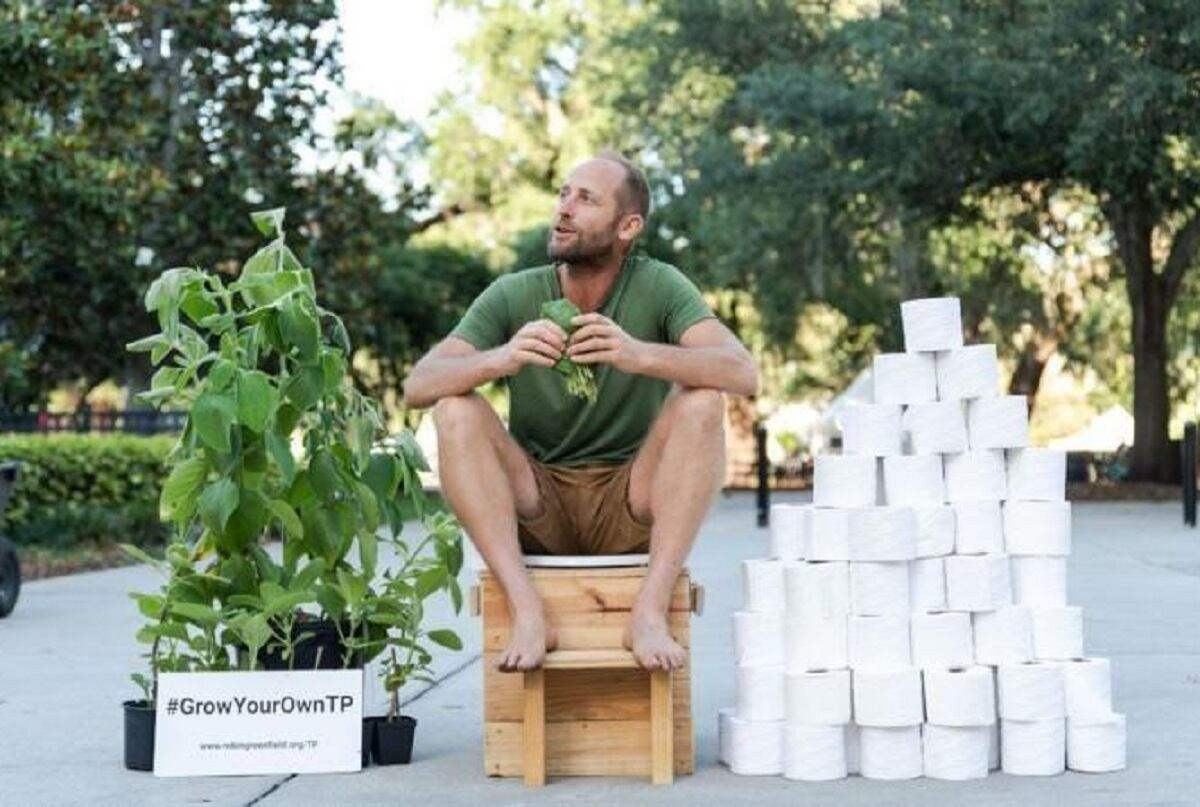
724,733
931,323
1039,582
939,427
758,638
927,585
904,378
828,536
962,696
872,430
844,481
977,582
1037,528
813,643
888,696
913,480
814,753
756,747
1058,632
760,692
941,640
968,372
973,476
1003,636
762,585
1000,422
890,753
935,531
1096,745
882,533
1031,691
879,641
817,589
1037,474
1088,686
994,746
979,528
1033,747
818,697
789,523
956,753
877,589
853,743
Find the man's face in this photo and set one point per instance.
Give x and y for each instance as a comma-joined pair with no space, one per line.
588,218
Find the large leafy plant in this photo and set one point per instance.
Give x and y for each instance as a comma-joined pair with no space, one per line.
580,378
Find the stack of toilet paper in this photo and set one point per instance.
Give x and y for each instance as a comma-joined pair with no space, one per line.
913,620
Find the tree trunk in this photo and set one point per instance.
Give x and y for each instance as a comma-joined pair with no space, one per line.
1027,376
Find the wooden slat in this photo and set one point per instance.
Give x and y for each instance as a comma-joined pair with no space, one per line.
662,724
590,660
584,748
588,631
533,745
569,592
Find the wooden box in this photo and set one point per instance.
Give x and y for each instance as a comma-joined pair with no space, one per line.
597,721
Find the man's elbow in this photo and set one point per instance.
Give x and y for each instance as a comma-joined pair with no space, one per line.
413,395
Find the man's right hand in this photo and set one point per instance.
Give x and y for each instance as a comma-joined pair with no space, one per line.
539,342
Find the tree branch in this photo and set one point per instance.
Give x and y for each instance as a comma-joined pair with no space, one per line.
1183,251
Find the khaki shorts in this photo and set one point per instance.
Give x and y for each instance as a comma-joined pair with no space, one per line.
586,512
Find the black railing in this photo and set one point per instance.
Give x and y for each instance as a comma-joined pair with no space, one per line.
84,420
1190,451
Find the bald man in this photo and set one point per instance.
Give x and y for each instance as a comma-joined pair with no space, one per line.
634,471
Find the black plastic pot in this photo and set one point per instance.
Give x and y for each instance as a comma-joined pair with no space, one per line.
368,740
139,735
393,741
10,577
323,650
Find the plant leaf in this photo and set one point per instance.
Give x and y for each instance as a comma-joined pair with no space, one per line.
214,416
446,638
182,488
257,399
217,503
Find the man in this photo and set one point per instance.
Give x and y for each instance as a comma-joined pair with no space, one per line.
636,470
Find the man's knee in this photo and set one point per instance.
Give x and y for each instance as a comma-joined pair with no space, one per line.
701,408
457,413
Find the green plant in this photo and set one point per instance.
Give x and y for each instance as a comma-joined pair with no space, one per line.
581,381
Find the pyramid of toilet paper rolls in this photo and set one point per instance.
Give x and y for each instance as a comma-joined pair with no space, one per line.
914,619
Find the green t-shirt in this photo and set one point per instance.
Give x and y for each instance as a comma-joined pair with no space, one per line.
651,300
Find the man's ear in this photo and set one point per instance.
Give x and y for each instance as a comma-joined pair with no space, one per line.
631,227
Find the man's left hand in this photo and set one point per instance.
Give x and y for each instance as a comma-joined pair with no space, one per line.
599,339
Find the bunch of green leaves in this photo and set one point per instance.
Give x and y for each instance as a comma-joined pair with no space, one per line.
581,381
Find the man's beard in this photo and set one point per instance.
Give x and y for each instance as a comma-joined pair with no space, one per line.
584,249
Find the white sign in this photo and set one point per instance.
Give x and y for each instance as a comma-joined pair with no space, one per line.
258,722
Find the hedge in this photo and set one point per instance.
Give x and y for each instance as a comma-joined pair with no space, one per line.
78,488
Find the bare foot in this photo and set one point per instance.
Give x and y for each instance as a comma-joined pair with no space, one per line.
531,637
647,636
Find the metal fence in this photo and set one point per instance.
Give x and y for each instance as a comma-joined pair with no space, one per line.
85,420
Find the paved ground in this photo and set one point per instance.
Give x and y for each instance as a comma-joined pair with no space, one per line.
66,652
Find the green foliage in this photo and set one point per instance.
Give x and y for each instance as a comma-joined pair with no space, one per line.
581,380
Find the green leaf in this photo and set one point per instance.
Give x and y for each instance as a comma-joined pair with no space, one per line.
200,614
256,399
305,388
269,222
281,451
182,488
217,503
246,523
446,638
368,553
288,518
197,305
305,578
430,581
352,587
299,329
322,473
333,368
214,415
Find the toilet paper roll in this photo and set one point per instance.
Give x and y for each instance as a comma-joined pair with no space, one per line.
1037,528
973,476
814,753
939,427
871,430
1097,745
816,644
789,523
1003,636
758,638
1087,683
1037,474
756,747
762,585
904,378
941,640
828,536
760,692
817,589
994,746
968,372
961,696
1000,422
977,582
927,585
913,480
840,480
1039,582
877,589
888,696
935,531
956,753
1058,633
725,733
1033,747
879,641
1031,691
978,528
852,748
890,753
882,533
931,323
818,697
